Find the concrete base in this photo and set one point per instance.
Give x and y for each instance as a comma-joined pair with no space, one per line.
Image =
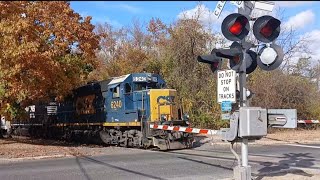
242,173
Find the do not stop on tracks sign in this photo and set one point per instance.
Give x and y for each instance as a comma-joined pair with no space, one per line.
226,86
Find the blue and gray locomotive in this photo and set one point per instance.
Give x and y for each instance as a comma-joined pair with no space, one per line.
117,111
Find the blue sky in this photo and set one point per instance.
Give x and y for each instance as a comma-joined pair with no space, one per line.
121,13
300,15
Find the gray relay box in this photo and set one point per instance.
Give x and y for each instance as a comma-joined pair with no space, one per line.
253,122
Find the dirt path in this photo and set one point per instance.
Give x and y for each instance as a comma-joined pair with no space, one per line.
295,136
26,147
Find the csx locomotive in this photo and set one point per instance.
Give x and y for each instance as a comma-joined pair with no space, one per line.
117,111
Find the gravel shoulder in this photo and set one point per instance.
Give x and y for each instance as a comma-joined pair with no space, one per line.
23,148
295,136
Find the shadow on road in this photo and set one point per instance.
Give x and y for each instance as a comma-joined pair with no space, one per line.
283,167
90,159
201,162
229,152
199,141
78,158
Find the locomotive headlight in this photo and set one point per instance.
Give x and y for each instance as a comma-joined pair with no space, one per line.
186,117
149,77
163,117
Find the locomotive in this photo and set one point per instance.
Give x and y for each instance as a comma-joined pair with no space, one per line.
116,111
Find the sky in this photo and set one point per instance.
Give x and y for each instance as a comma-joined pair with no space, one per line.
299,15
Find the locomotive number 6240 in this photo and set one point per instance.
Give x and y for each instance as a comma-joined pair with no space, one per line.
116,104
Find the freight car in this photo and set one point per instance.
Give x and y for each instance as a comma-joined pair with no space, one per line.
117,111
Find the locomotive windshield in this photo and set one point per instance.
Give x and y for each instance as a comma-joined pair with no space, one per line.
144,85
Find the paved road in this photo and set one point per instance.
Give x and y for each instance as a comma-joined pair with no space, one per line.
205,162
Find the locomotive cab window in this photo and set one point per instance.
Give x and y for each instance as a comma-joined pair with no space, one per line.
143,86
115,91
140,86
128,88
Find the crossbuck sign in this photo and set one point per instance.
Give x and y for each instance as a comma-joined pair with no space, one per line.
226,86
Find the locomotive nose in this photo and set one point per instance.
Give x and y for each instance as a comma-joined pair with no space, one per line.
162,105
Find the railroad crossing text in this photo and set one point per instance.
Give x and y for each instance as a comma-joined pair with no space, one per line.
226,86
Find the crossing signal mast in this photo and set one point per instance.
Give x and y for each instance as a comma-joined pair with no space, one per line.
248,123
235,27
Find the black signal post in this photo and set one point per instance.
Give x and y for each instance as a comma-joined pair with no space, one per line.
235,27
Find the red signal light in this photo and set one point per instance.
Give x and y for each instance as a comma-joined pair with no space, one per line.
236,59
236,28
215,64
238,25
266,28
266,31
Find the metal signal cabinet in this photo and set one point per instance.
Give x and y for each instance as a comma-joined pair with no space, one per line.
253,122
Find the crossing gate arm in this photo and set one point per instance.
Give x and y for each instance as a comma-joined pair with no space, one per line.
185,129
308,121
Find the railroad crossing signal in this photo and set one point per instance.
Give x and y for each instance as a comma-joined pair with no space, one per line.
248,122
212,59
266,28
251,58
235,27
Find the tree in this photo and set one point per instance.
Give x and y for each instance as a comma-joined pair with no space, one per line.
193,81
171,50
125,50
276,89
46,49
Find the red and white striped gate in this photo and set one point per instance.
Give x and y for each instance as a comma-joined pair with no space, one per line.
308,121
184,129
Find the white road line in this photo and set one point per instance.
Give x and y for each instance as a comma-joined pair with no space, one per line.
301,145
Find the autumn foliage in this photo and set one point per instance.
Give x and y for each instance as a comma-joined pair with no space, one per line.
46,49
171,50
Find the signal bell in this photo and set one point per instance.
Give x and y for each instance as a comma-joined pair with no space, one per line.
235,27
266,28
